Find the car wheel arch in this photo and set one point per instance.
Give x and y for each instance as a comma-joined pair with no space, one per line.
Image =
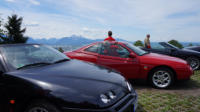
161,66
32,99
193,56
39,100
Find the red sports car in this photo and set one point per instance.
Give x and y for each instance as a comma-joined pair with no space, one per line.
134,63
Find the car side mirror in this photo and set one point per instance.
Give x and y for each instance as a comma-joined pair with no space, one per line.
131,55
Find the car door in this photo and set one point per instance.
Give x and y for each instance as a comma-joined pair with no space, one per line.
89,54
116,56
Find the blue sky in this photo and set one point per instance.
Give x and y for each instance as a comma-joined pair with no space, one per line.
128,19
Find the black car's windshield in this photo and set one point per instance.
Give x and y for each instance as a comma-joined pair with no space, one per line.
137,50
167,45
21,56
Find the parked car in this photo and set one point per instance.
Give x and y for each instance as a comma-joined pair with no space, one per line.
38,78
195,48
192,57
134,63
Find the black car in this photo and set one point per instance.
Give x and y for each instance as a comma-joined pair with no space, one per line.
192,57
38,78
195,48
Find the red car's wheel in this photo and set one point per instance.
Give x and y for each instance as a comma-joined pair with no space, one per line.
161,78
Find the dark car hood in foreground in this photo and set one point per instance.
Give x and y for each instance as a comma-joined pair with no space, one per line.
75,81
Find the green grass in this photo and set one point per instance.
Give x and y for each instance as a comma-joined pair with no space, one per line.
153,100
196,76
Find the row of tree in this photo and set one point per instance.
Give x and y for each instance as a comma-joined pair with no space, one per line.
173,42
12,32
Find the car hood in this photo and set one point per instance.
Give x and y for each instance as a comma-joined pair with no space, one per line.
76,82
190,51
161,59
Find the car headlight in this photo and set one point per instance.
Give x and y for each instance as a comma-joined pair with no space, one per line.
129,86
106,98
111,95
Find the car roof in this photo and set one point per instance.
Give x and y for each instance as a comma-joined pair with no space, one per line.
110,42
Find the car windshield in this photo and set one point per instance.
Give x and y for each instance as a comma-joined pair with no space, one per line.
19,56
137,50
167,45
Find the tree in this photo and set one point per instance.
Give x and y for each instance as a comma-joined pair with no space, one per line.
138,43
2,32
14,32
60,49
190,44
175,43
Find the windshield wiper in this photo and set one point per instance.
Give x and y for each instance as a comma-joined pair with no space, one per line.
62,60
34,64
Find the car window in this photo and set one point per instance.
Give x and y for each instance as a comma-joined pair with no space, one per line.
135,49
115,50
93,48
157,46
168,46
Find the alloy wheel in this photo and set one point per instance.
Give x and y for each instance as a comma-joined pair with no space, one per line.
161,79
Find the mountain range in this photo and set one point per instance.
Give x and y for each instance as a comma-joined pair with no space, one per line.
77,41
74,40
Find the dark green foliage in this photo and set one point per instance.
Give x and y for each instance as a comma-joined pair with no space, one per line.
2,32
60,49
14,32
190,44
176,43
138,43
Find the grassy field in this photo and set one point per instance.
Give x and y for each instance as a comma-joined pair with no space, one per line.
184,97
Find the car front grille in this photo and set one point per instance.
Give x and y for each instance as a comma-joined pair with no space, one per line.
124,103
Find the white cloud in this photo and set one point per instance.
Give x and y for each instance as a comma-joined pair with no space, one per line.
31,24
129,19
34,2
10,0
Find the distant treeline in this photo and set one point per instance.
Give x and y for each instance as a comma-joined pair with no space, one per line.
173,42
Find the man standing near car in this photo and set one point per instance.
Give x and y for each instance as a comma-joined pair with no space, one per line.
109,38
147,42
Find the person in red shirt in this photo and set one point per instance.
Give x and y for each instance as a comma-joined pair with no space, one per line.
109,38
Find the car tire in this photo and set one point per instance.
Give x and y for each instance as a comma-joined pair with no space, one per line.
194,62
41,106
161,78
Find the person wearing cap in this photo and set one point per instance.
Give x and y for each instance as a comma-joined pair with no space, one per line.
109,38
147,42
